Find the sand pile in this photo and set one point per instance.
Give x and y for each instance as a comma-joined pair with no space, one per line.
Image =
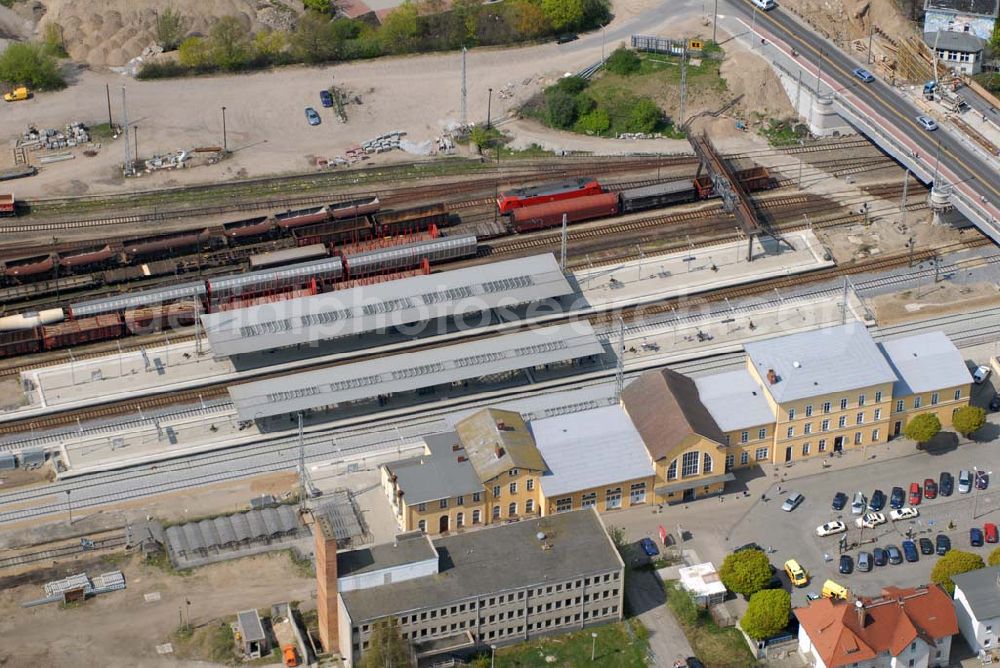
110,32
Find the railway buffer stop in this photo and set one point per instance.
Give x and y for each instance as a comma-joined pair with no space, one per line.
437,374
727,185
385,313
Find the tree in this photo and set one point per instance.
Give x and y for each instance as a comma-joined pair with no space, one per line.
28,64
319,6
644,116
922,428
563,14
314,40
953,563
400,28
968,419
994,558
268,45
170,28
230,43
194,52
994,41
623,61
386,647
561,108
745,572
527,18
767,613
595,122
53,39
484,138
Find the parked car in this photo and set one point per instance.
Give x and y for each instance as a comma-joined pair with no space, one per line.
964,482
895,556
877,502
915,494
926,546
930,489
982,479
796,574
870,520
565,38
693,662
863,74
981,373
749,546
312,117
995,403
859,503
942,544
976,537
864,562
897,497
990,532
831,528
325,98
846,564
649,547
839,501
907,513
792,502
879,557
946,484
927,123
910,551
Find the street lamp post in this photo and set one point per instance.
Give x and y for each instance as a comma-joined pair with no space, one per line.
489,105
135,134
225,142
69,506
493,655
593,645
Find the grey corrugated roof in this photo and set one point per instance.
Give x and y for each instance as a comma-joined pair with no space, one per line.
210,535
338,511
250,626
590,449
177,540
982,7
496,559
404,254
408,548
136,299
925,362
224,527
193,535
734,399
820,362
413,371
271,522
288,518
954,41
383,305
241,527
438,475
982,591
256,524
237,282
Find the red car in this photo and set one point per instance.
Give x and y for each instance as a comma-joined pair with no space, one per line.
915,494
930,488
990,532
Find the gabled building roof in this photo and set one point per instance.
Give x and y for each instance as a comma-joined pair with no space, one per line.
497,441
735,400
819,362
948,40
982,591
665,408
844,633
925,362
444,472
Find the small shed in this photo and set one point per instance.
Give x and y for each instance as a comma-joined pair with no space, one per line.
250,635
32,458
704,584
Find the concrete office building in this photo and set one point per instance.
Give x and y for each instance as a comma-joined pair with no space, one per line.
464,592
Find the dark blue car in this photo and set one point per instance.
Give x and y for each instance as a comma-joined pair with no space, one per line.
879,557
326,98
976,537
877,502
942,543
839,501
649,547
910,551
897,498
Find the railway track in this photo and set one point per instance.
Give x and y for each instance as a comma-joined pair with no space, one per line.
56,553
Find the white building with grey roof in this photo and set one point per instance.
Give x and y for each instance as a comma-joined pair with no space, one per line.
977,606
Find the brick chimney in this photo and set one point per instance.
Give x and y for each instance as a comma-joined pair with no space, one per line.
326,583
772,377
859,608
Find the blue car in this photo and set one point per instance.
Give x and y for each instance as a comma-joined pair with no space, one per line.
877,502
976,537
312,116
649,547
897,498
864,75
839,501
326,98
910,551
879,557
895,556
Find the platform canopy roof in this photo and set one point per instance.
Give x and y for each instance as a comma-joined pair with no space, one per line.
137,299
412,371
369,308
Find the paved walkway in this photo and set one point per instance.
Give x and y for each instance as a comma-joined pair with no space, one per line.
647,601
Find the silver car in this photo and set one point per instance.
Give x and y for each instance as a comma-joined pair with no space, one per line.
860,503
792,502
964,482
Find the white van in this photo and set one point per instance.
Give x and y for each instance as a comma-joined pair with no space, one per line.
764,4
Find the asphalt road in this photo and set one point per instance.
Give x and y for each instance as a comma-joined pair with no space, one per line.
890,108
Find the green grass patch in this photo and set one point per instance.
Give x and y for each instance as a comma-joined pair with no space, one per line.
101,131
716,647
618,645
989,80
212,642
783,132
303,566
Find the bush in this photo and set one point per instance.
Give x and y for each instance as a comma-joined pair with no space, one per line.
623,61
170,28
954,562
968,420
745,572
645,116
595,122
229,42
162,70
922,428
29,64
682,604
994,558
319,6
767,613
194,53
563,14
561,109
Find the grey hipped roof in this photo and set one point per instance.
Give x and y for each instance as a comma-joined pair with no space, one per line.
406,548
982,591
925,362
412,371
981,7
369,308
820,362
438,475
734,399
497,441
954,41
496,559
590,449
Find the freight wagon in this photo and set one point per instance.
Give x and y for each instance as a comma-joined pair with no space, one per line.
259,226
20,342
30,266
355,208
576,210
657,196
166,244
417,219
288,256
292,219
509,200
334,232
88,258
397,258
157,317
74,332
